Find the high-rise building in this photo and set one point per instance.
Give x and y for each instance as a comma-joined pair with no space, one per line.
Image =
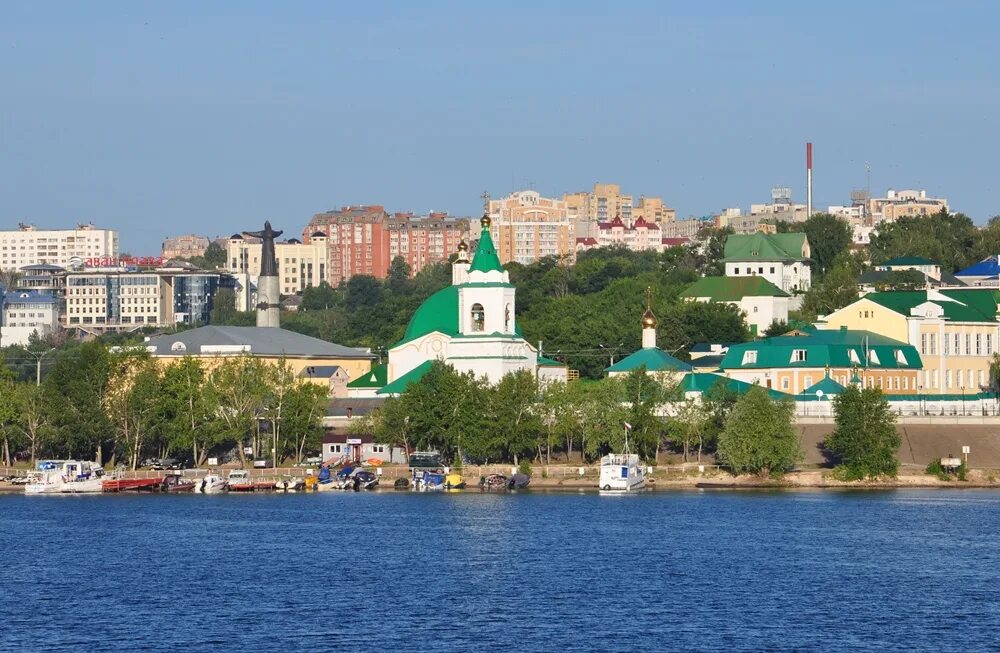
422,240
527,227
652,209
602,204
904,203
358,241
28,245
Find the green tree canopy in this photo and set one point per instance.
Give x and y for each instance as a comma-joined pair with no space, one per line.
865,439
949,239
759,437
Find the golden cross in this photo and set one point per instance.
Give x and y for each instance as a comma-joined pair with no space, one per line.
486,202
649,297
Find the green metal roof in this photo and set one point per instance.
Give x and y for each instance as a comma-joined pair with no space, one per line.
702,382
439,312
765,247
400,385
732,289
655,360
376,378
486,259
825,348
826,385
548,362
974,305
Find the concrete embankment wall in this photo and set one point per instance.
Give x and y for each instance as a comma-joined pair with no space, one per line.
922,442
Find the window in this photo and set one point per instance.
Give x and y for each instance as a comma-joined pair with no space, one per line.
945,341
772,270
961,378
808,381
933,343
853,355
947,379
923,343
507,318
968,343
979,344
873,357
799,356
906,383
989,344
378,448
750,357
736,270
901,357
784,383
478,318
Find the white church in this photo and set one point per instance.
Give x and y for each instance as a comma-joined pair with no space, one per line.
471,325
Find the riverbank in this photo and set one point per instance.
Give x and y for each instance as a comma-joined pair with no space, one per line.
805,479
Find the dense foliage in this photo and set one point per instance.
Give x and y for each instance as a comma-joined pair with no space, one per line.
865,439
514,420
122,406
759,437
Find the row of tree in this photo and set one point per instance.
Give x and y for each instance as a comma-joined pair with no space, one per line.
123,406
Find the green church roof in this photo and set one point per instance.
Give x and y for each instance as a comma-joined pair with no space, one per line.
826,385
765,247
439,312
375,378
548,362
654,360
486,259
400,385
732,289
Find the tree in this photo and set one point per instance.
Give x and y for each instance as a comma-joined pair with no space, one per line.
303,417
759,437
865,439
643,394
131,401
837,289
319,298
32,419
192,422
949,239
828,236
224,309
75,392
398,280
236,389
688,426
901,280
8,410
516,419
214,256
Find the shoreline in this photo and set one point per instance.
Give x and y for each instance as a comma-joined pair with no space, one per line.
803,480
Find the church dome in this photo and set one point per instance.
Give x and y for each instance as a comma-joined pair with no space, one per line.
463,246
439,312
648,319
485,221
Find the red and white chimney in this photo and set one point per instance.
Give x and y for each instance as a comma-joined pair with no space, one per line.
809,179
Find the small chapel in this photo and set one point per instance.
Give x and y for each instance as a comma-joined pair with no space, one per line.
471,325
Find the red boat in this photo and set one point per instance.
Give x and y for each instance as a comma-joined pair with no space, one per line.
177,483
132,484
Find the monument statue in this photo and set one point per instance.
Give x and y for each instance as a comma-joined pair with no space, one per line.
268,296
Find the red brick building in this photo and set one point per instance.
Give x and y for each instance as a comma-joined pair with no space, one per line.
358,241
422,240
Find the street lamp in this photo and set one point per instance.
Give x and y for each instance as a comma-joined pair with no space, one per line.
38,356
920,398
963,401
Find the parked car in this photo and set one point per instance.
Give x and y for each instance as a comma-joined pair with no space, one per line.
164,463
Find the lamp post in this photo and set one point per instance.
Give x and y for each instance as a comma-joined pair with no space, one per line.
38,356
920,399
963,401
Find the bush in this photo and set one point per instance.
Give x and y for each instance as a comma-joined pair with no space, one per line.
524,467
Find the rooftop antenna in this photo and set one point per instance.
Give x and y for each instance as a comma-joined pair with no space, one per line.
486,202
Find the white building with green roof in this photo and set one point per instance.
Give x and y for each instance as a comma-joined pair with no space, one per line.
761,301
470,325
782,259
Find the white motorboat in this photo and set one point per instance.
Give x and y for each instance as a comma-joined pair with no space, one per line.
65,477
622,472
211,484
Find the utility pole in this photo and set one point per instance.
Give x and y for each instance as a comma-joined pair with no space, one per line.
38,356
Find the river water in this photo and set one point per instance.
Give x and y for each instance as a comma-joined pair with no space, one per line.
908,570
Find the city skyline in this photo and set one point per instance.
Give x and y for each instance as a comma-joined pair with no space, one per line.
157,121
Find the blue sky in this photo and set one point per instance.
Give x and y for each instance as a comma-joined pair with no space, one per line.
165,118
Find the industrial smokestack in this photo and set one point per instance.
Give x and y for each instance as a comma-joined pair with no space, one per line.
809,179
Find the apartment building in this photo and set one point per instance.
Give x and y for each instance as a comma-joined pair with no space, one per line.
29,245
652,209
300,264
422,240
904,203
118,299
358,241
526,227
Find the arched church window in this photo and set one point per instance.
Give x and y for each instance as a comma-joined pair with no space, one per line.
478,318
506,318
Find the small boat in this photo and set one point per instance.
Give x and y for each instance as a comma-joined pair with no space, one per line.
177,483
454,481
518,481
401,484
290,485
621,472
362,479
429,482
493,483
65,477
211,484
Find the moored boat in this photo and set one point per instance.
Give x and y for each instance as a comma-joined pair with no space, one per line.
64,477
177,483
211,484
622,472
